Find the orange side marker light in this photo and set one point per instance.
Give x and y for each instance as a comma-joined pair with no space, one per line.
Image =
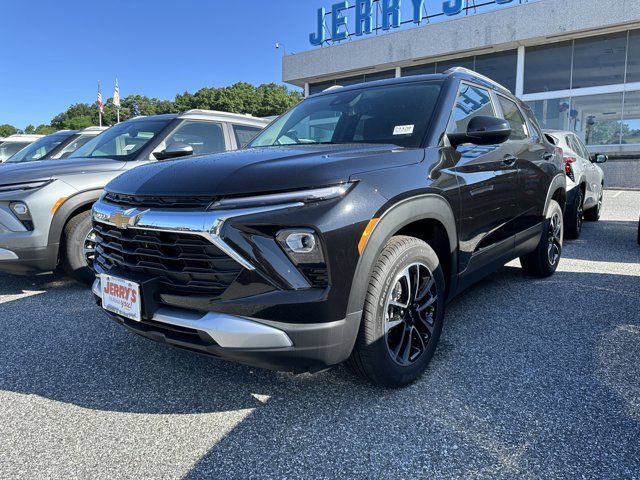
366,234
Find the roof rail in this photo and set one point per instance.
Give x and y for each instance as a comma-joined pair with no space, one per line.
217,112
332,88
475,74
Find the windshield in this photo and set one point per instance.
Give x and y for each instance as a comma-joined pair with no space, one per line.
38,149
9,149
390,114
122,141
66,148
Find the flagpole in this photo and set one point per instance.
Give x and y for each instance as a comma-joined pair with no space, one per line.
99,102
116,99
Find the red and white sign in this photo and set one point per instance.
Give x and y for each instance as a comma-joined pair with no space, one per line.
121,297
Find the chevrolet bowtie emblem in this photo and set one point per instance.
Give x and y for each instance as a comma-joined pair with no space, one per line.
128,218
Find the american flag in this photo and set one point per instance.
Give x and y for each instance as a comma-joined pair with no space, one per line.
100,104
116,96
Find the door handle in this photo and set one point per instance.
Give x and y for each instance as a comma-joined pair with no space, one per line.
547,156
509,159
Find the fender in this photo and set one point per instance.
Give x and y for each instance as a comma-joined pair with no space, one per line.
558,182
70,205
422,207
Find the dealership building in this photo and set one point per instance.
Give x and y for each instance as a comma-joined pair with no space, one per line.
575,62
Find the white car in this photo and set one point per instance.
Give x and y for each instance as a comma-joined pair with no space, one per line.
585,181
14,143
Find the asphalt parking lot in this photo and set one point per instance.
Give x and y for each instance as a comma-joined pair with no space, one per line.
532,379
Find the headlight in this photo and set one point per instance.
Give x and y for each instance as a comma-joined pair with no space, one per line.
304,196
17,187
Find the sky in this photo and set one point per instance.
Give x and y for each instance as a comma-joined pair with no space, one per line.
56,51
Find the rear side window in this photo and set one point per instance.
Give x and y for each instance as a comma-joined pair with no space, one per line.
204,137
513,115
244,134
582,150
471,102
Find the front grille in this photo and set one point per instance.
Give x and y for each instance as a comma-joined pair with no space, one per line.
182,263
136,201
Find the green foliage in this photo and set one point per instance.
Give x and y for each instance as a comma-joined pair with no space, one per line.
262,101
6,130
44,129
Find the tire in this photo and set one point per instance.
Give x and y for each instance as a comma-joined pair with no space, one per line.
374,356
539,263
73,259
574,216
593,214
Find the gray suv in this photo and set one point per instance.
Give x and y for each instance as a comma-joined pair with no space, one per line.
45,206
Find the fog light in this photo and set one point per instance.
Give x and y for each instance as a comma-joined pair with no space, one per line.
302,246
301,242
19,209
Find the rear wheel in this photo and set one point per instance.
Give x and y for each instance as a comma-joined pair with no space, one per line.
574,216
593,214
403,314
78,248
544,260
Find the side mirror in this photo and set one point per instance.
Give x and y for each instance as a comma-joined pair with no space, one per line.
483,130
175,150
599,158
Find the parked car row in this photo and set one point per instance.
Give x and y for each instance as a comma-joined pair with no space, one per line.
45,203
337,234
14,143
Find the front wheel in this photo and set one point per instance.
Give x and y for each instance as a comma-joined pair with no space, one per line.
78,248
544,260
402,316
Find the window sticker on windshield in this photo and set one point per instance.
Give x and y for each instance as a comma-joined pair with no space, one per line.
403,130
129,147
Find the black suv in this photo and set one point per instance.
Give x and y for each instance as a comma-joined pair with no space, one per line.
340,233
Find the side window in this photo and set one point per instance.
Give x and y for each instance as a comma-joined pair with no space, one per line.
471,102
244,134
534,128
582,150
204,137
512,113
571,143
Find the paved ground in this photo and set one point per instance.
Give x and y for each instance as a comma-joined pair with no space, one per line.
532,379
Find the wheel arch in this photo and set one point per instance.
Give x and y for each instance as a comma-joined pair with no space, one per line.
428,217
71,207
558,192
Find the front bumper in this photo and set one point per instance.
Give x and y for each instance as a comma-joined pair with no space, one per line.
260,343
28,261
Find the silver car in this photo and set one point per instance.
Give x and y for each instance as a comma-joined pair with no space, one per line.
45,206
585,181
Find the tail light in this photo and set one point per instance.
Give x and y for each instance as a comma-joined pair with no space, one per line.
568,160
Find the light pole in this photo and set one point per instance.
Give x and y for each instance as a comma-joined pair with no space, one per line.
281,46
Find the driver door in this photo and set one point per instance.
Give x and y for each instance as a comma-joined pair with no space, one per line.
488,179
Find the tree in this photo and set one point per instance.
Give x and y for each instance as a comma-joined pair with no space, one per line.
30,129
262,101
6,130
44,129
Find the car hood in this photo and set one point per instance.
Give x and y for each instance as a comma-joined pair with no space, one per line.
259,170
48,169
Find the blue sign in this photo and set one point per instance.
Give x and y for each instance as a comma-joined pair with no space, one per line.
388,15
